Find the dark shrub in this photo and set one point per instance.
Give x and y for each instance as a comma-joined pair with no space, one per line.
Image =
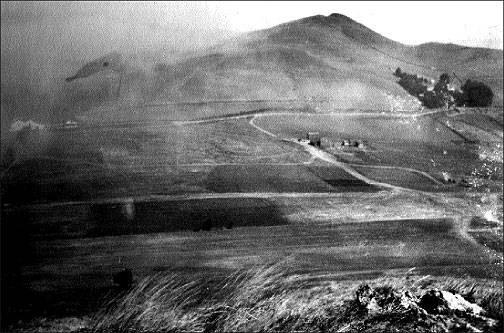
398,72
442,85
432,100
476,94
124,278
412,84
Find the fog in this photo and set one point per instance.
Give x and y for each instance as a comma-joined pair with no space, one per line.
44,42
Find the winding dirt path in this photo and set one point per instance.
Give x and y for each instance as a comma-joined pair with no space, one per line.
425,174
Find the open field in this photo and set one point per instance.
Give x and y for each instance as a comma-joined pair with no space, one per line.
204,199
376,128
283,178
135,159
61,267
482,121
421,143
400,177
185,111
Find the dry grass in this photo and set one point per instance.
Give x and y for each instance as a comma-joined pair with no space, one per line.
273,298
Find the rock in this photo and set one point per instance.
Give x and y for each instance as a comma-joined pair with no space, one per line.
381,299
442,302
363,295
457,302
408,300
433,302
373,307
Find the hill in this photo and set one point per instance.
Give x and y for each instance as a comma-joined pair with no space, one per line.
330,57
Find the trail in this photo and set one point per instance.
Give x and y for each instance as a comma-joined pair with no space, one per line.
339,114
251,122
425,174
322,155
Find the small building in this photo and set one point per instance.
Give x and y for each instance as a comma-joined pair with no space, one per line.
353,143
313,138
448,178
361,145
70,124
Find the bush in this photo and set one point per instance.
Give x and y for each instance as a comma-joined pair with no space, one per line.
412,84
475,94
432,100
398,72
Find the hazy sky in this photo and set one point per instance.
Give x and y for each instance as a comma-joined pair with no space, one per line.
472,23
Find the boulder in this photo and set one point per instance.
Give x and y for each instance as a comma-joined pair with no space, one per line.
442,302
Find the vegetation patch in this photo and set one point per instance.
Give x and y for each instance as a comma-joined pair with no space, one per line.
489,238
472,93
274,299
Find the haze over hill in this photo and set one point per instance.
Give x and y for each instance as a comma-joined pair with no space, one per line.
320,57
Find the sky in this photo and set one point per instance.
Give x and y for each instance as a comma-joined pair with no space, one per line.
471,23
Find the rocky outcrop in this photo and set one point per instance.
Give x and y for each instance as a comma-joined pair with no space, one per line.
385,309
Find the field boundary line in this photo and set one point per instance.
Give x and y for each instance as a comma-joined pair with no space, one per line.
180,197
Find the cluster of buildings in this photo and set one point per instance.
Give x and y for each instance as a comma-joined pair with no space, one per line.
315,140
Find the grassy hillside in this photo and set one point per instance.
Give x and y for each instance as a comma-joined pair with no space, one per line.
321,57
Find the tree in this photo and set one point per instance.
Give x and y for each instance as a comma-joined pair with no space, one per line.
441,86
432,100
475,93
412,84
398,72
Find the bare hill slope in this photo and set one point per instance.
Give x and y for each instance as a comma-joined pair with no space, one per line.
322,57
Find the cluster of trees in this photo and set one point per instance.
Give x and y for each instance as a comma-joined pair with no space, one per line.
472,93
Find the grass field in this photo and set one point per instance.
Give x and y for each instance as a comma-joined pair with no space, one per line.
136,159
325,223
168,111
482,121
62,267
283,178
424,144
400,178
273,299
337,127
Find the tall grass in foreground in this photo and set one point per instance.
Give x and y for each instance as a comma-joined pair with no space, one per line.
271,299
